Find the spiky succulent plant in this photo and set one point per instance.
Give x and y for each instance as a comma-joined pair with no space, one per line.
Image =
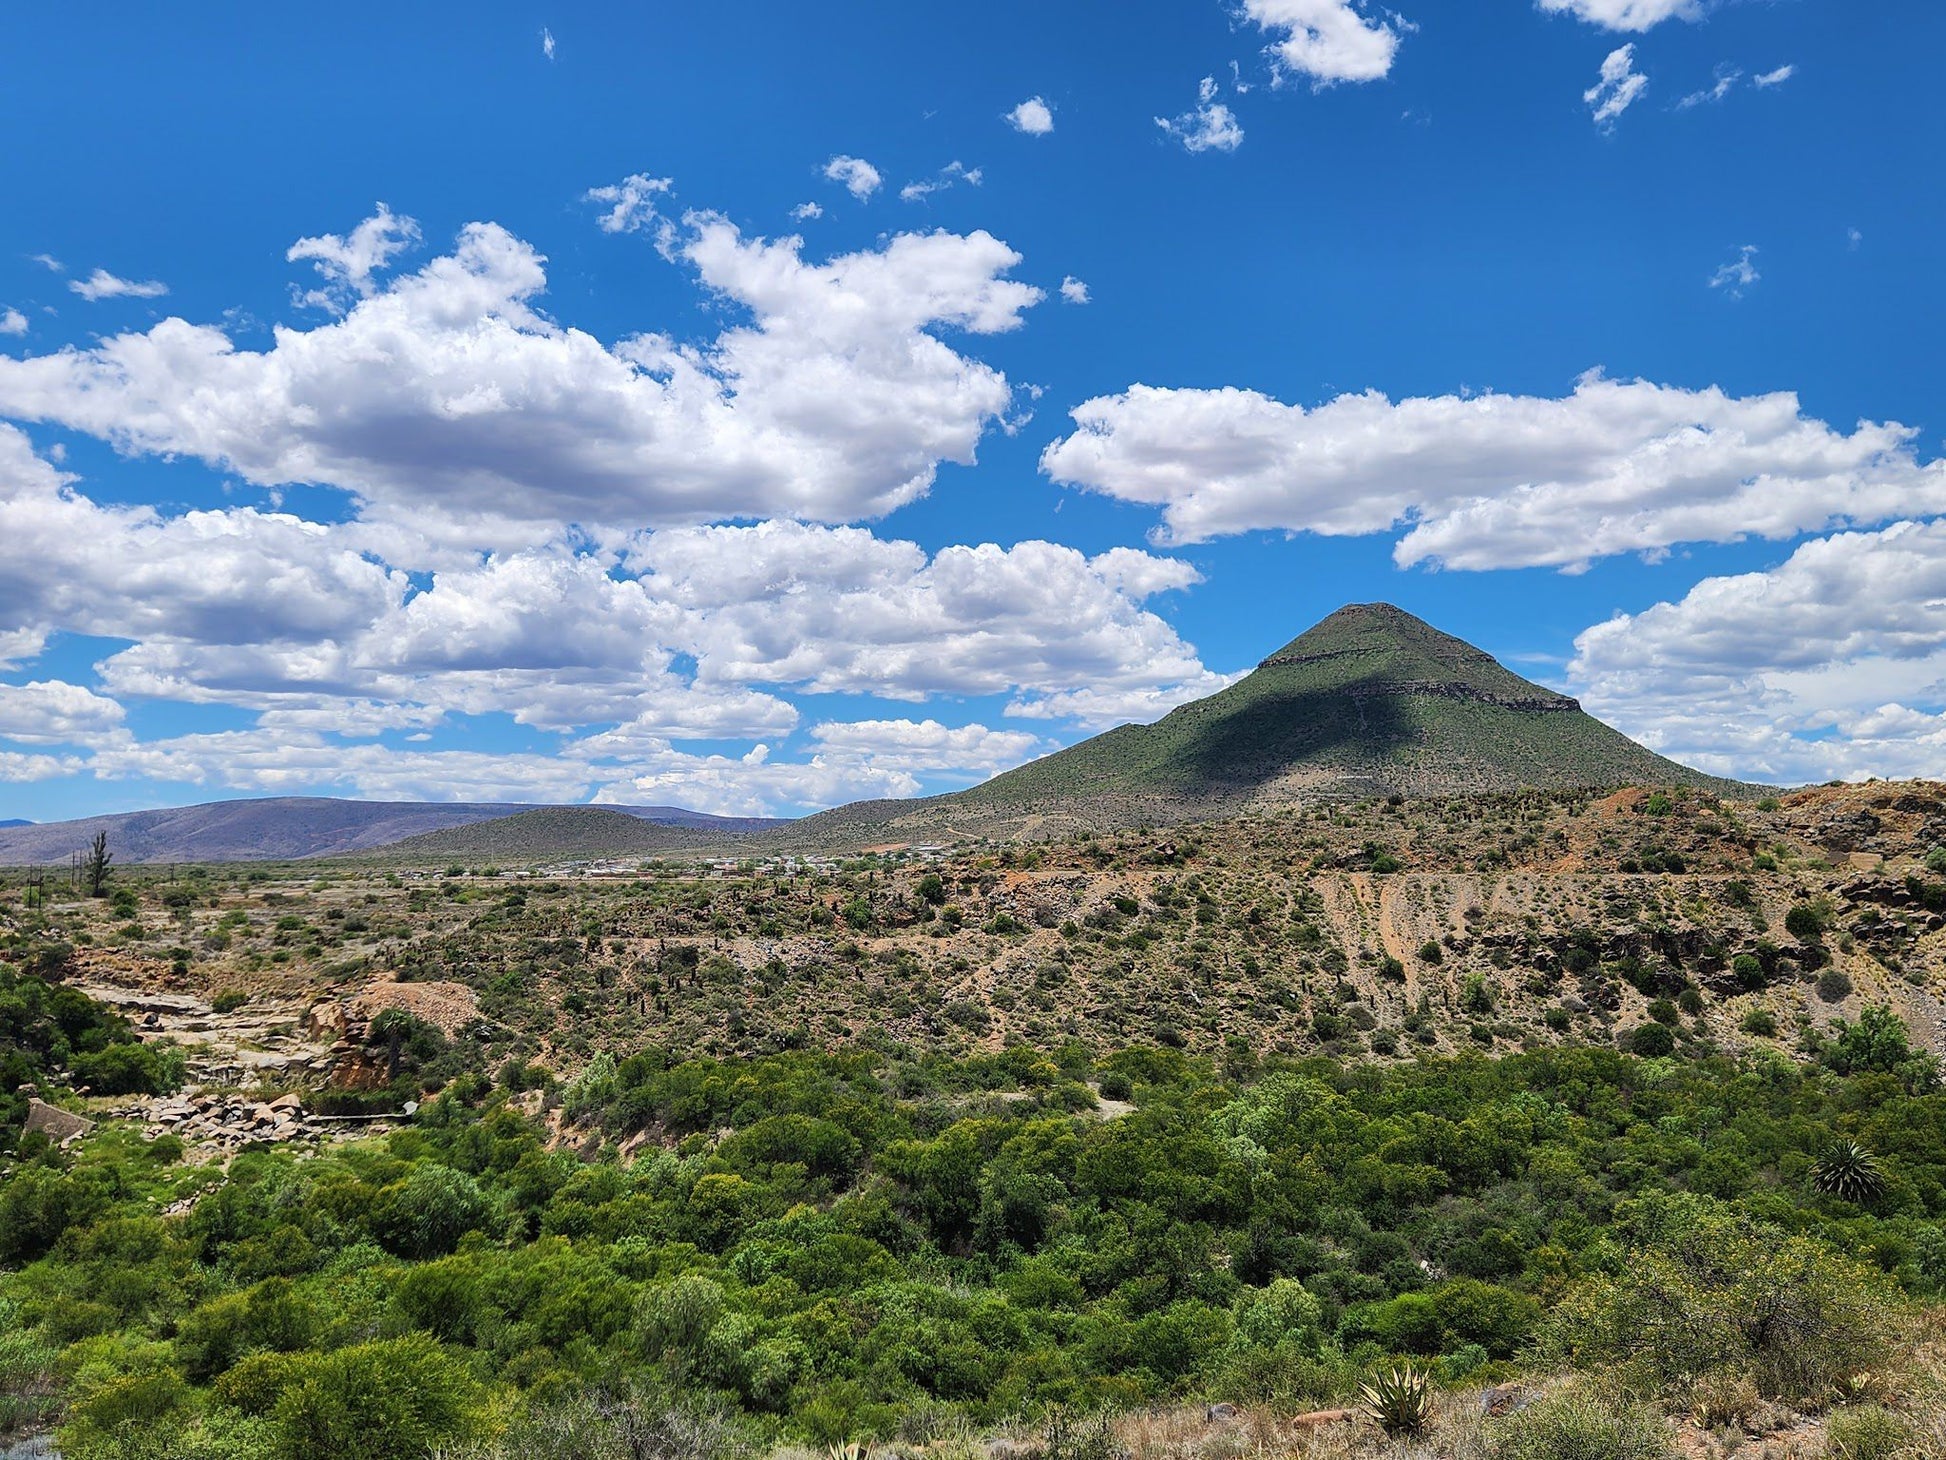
1398,1401
1849,1172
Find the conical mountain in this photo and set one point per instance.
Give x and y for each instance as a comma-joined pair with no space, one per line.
1371,701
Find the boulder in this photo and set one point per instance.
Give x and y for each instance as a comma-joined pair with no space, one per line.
59,1126
1319,1418
1504,1399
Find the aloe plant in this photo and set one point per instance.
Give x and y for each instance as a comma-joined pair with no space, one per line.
1398,1401
1849,1172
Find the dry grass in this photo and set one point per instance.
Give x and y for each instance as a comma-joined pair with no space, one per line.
1736,1427
1456,1433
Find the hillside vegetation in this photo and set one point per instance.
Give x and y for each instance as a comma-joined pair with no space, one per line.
876,1245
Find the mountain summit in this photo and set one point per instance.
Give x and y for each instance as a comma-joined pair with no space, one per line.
1371,701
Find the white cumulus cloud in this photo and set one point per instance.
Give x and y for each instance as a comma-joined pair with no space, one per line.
858,176
347,263
1326,40
1033,116
1626,15
103,285
1208,127
630,204
1493,481
1774,78
1831,664
54,712
447,400
1620,86
12,322
1739,274
678,634
841,611
1074,290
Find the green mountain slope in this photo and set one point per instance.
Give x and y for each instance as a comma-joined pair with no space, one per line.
1371,701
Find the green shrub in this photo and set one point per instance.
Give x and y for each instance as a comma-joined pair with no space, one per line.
1580,1423
130,1069
1804,923
1071,1436
1880,1042
1869,1433
28,1390
1834,986
1651,1041
229,1001
1713,1292
395,1399
426,1214
1760,1022
1459,1312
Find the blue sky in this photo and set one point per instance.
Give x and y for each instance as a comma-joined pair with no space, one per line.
1130,340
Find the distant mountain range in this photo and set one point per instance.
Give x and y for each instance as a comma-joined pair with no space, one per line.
15,821
284,828
1369,702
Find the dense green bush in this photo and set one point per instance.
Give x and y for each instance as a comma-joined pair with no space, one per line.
1652,1040
1713,1292
49,1030
1805,922
820,1246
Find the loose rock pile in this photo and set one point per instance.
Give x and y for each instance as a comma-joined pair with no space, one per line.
227,1121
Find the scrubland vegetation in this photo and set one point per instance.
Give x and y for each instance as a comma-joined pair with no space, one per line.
878,1245
1616,1111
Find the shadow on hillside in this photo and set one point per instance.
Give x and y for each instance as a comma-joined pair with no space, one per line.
1257,741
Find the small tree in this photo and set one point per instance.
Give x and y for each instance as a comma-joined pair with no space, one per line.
96,866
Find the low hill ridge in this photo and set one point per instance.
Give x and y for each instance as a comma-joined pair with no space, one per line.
555,833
